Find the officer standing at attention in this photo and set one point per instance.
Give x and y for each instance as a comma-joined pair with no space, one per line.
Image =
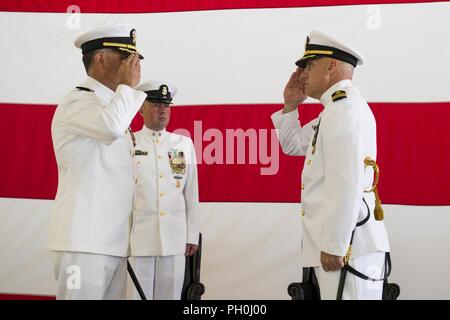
90,225
335,175
165,227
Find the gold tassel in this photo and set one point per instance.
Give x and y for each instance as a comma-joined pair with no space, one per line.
378,213
348,255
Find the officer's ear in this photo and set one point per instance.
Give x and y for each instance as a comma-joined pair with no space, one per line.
332,66
100,58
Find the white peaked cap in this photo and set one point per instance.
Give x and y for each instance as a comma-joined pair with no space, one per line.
319,45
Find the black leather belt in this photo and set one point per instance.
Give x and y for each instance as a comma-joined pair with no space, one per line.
348,268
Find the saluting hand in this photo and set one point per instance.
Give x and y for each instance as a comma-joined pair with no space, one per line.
130,71
294,92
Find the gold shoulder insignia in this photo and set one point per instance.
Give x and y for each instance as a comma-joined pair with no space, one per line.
338,95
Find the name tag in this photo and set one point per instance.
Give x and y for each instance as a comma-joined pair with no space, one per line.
140,153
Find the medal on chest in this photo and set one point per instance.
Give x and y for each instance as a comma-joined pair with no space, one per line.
177,164
314,141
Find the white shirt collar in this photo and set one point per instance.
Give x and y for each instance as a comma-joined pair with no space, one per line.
326,96
152,133
104,93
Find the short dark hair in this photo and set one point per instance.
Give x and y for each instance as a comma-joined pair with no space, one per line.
87,59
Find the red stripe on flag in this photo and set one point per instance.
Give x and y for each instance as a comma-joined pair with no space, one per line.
413,153
27,163
143,6
9,296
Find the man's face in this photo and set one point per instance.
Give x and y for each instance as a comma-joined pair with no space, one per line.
113,60
316,77
156,115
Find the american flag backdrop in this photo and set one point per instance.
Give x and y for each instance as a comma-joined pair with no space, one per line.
230,60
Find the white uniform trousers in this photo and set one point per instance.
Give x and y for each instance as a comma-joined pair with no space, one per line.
161,278
88,276
355,288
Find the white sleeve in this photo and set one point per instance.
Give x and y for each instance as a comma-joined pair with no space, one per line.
85,116
294,139
343,171
190,193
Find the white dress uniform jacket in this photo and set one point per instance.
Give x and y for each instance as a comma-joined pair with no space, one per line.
166,202
334,176
93,205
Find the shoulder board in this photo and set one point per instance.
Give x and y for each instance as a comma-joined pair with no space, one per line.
338,95
84,89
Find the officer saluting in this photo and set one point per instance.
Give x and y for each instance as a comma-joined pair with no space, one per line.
165,226
90,225
335,174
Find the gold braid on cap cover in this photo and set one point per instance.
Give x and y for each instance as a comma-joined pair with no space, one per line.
379,214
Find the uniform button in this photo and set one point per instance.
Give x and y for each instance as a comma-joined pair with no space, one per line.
303,186
138,162
135,180
157,141
159,157
162,194
303,212
161,175
162,213
309,162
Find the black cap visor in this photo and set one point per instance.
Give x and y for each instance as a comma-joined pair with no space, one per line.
156,100
123,44
315,51
304,60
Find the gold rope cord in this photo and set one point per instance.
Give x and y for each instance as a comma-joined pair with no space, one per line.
379,214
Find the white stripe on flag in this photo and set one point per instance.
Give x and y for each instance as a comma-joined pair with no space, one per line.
251,250
237,56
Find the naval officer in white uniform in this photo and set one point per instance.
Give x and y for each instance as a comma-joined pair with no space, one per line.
165,226
334,176
90,225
